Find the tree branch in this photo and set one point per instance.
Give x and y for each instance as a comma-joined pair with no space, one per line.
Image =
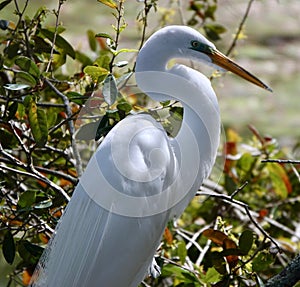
288,277
71,126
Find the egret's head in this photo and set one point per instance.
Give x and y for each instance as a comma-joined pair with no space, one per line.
186,42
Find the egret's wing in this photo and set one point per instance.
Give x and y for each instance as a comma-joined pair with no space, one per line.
100,239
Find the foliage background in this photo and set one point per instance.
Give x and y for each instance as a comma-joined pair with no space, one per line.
268,46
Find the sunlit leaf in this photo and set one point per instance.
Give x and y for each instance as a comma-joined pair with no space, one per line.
126,51
27,198
262,262
245,165
124,106
38,124
95,72
211,276
279,178
182,252
109,3
103,61
9,247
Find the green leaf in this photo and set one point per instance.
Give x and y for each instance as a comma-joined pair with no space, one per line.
83,59
51,115
9,247
211,276
110,90
213,31
126,51
77,98
182,252
38,123
59,42
103,127
7,139
218,262
25,78
246,241
103,61
245,165
109,3
87,132
12,109
95,72
92,40
41,46
124,106
176,112
210,12
262,262
29,252
27,198
104,35
27,65
278,177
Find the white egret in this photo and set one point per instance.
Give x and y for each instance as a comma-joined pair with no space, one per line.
139,178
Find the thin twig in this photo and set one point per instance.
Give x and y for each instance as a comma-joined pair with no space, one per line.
238,190
246,209
291,161
60,3
120,10
240,28
71,126
35,174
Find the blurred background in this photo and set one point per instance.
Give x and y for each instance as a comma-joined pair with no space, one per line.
270,50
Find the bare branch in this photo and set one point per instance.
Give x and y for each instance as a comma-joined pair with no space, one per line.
240,28
246,209
288,277
71,125
292,161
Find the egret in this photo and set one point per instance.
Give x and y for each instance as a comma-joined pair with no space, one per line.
139,178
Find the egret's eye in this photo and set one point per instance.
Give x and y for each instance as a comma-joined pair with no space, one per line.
195,44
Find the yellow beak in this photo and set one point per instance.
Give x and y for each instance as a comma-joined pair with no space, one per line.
224,62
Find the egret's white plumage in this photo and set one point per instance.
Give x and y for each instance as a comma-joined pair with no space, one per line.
139,178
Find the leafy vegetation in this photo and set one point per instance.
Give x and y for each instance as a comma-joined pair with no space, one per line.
238,232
